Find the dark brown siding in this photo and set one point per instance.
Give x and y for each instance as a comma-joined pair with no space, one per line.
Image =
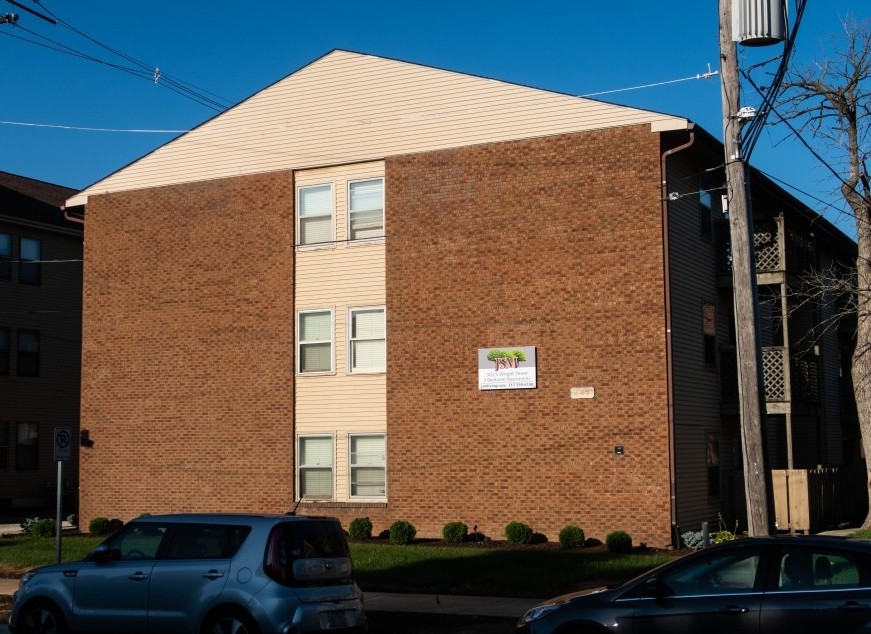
554,243
187,391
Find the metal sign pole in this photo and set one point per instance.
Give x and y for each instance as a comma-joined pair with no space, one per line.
60,470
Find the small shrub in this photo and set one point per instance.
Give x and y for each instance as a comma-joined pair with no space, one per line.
693,539
27,525
618,542
518,533
455,532
360,529
572,537
45,527
401,532
99,526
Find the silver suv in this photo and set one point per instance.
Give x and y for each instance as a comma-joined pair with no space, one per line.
200,574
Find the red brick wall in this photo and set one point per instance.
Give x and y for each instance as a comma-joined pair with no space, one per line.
554,243
188,349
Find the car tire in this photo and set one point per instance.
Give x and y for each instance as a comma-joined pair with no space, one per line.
41,617
230,622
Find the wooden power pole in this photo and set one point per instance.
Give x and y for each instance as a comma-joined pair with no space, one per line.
751,390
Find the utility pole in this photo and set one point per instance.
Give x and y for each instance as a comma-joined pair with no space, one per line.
751,389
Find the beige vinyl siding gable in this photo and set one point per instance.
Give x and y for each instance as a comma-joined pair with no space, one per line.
340,276
349,107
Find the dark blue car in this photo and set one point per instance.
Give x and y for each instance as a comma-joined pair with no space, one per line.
770,585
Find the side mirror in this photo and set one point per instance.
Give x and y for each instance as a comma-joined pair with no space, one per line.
102,553
653,587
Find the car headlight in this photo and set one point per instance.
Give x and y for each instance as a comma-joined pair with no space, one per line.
27,576
539,611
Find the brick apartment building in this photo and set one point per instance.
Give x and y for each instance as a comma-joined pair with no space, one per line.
288,307
40,342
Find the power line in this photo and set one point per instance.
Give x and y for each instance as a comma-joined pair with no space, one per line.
90,129
139,69
707,75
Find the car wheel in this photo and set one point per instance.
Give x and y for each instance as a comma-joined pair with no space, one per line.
230,623
41,618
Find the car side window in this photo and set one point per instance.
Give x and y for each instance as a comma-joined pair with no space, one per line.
728,573
200,541
817,568
139,541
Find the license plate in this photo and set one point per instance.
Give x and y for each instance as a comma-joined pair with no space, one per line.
335,619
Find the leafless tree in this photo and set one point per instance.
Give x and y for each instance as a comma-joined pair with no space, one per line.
828,104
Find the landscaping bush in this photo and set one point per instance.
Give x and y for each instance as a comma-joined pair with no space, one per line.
571,537
455,532
45,527
401,532
99,526
618,542
27,525
518,533
360,529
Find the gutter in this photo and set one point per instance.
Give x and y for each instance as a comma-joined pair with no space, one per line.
669,360
78,217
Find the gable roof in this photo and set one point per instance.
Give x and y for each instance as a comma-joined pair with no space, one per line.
348,107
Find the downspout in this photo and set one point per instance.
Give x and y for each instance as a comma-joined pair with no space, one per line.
669,361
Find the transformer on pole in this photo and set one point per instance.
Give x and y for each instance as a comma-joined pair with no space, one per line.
758,22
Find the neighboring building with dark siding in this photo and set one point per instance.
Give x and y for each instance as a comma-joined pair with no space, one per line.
40,342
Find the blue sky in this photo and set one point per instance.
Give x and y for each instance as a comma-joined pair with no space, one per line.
71,120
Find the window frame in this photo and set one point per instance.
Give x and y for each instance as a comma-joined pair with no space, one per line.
32,358
5,351
709,335
29,269
300,467
331,216
32,455
353,466
712,464
6,257
350,211
4,444
300,343
351,339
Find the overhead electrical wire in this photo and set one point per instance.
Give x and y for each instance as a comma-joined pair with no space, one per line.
139,69
754,128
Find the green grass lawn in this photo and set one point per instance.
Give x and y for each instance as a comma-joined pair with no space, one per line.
492,570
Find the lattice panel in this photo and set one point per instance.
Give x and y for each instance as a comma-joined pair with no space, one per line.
766,247
772,371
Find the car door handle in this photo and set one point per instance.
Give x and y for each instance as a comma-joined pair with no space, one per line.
734,609
138,576
853,606
213,574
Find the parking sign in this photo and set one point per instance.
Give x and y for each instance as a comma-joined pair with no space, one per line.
62,444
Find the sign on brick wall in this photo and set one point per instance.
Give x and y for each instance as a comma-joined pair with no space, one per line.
508,368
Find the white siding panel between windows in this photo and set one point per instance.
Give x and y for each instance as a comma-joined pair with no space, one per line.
348,107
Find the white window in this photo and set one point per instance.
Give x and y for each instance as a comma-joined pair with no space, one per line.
315,460
315,215
366,209
315,341
367,340
368,460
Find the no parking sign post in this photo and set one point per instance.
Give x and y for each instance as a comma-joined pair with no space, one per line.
62,453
